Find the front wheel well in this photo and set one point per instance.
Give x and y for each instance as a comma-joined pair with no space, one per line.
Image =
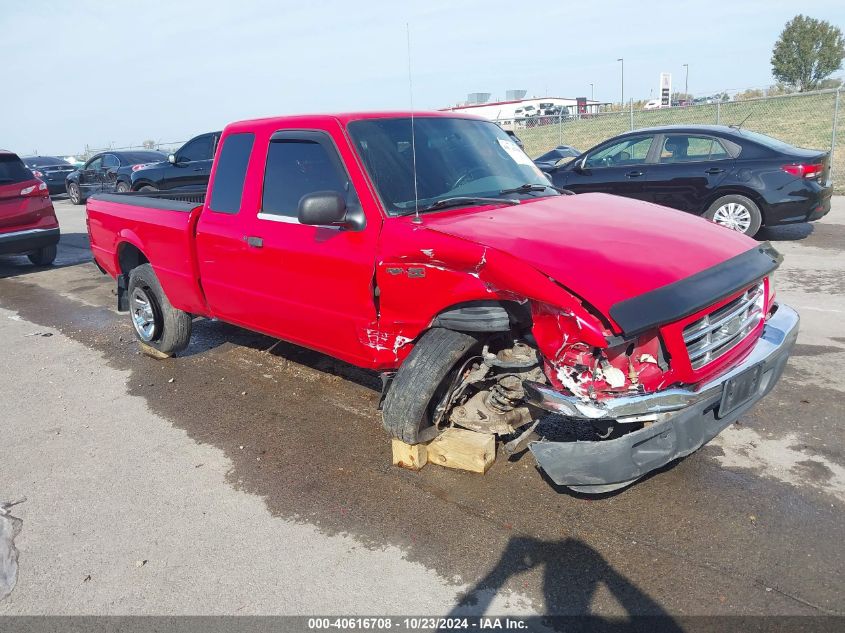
484,316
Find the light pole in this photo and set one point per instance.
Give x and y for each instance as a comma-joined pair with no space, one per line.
591,93
686,82
623,80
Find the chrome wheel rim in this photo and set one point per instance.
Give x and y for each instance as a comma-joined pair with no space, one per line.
73,193
143,315
733,215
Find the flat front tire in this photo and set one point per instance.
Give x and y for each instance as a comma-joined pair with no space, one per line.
155,321
422,382
737,213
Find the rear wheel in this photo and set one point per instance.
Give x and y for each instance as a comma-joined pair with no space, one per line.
155,321
44,256
737,213
73,193
147,188
422,383
122,187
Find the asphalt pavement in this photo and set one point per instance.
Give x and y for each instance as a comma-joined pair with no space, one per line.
249,477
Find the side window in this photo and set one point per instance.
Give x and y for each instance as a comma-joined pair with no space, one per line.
299,166
229,178
110,161
95,164
630,151
679,148
198,149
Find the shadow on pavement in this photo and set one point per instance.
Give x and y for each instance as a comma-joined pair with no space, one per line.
73,249
572,572
785,233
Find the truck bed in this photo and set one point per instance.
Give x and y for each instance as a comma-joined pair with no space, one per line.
121,226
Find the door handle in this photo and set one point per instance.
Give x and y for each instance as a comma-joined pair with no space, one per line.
714,170
633,174
253,241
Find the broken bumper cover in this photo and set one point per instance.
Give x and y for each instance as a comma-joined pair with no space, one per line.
694,418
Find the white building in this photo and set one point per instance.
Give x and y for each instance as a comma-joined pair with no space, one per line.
522,113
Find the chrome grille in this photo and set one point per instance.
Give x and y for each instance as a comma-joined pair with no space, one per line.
720,331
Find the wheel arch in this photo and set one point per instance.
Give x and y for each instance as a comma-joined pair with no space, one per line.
129,257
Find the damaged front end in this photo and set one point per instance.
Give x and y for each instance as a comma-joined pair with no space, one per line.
641,424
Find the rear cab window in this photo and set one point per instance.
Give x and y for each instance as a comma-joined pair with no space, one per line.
13,170
228,185
300,163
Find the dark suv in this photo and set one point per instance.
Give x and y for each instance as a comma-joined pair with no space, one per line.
187,168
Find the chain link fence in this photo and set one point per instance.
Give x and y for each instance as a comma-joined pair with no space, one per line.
805,120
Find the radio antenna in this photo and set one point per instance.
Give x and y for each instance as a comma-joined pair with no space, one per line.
416,219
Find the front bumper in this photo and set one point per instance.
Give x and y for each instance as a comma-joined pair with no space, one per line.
692,420
19,242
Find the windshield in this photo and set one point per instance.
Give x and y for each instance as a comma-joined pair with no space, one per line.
454,157
45,161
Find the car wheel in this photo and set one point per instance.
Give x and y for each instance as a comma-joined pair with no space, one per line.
148,188
737,213
422,383
122,187
155,321
73,193
44,256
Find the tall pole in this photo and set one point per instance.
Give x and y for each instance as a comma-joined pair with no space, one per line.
686,82
591,93
623,80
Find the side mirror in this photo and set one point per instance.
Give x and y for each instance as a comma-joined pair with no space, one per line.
322,208
171,158
580,165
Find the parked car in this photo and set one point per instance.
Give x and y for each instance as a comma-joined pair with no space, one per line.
653,104
737,178
560,155
107,172
186,168
482,294
52,170
28,224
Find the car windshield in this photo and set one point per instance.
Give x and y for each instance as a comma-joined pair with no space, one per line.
45,161
13,170
455,157
135,158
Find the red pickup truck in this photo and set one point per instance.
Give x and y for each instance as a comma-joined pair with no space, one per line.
431,249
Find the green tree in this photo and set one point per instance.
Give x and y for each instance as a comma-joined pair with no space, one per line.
807,51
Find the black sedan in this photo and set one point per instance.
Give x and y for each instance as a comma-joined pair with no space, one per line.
108,172
559,156
737,178
51,169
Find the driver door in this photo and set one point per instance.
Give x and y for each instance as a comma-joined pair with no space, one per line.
619,168
111,164
90,176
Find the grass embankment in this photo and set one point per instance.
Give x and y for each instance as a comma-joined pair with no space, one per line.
802,120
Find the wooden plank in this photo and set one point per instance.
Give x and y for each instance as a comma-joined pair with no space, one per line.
410,456
463,449
152,351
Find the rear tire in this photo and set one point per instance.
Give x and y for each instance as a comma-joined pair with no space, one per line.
155,321
421,380
122,187
74,193
148,188
44,256
736,212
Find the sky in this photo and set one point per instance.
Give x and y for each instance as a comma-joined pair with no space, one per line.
116,73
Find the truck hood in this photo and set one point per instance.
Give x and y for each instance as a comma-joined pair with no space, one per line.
603,248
